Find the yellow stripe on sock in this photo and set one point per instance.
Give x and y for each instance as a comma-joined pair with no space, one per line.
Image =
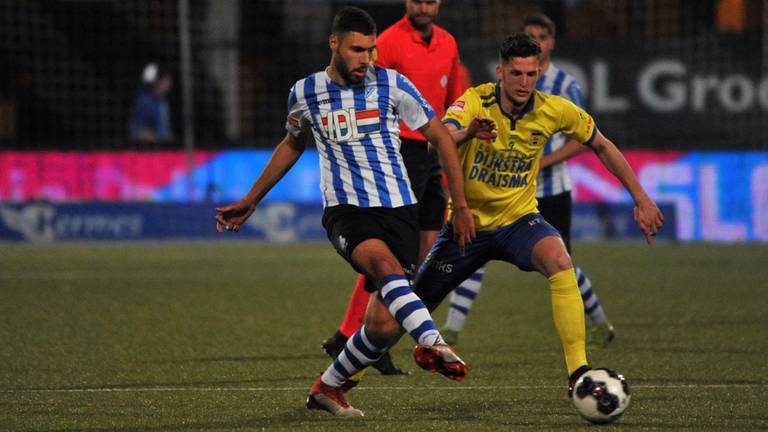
358,376
568,314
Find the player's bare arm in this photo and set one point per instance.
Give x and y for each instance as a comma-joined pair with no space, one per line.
232,216
570,149
647,214
463,223
480,127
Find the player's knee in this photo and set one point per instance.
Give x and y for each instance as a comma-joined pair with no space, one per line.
550,256
561,262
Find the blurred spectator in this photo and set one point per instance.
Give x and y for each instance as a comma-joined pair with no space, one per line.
150,122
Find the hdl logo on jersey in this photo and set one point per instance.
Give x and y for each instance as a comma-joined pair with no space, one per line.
348,124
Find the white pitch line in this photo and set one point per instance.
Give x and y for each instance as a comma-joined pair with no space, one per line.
290,389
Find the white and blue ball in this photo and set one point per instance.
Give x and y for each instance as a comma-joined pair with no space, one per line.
601,395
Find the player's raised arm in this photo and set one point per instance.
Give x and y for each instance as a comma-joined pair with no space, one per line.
438,135
231,216
647,214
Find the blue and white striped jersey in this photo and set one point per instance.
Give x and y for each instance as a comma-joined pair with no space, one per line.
357,133
554,179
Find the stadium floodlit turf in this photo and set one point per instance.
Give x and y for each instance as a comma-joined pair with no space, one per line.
226,336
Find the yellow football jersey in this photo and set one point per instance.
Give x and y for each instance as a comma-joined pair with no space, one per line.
500,176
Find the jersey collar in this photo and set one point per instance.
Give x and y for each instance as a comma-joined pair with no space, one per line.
526,109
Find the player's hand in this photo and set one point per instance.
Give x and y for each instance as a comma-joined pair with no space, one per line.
230,217
482,128
649,218
463,227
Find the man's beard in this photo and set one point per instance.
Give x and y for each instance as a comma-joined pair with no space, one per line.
343,70
418,25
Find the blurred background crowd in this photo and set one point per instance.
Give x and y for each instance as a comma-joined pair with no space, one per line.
667,74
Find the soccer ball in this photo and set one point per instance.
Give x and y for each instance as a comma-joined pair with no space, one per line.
601,395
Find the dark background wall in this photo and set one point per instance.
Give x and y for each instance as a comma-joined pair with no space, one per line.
668,74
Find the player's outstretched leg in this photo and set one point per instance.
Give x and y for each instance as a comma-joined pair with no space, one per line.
601,332
431,353
353,319
333,346
362,350
328,392
461,302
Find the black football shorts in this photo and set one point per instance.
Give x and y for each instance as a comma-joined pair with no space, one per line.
347,226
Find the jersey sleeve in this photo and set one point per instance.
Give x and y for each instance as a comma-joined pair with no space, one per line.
577,123
298,116
463,110
414,110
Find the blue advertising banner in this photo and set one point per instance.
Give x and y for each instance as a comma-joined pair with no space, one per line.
717,195
45,222
41,222
612,221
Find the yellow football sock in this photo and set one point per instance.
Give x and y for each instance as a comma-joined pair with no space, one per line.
568,313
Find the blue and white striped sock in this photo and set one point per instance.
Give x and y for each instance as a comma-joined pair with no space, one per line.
408,309
358,353
592,307
461,300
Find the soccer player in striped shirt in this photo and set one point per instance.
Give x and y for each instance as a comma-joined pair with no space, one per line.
353,110
553,193
500,174
428,56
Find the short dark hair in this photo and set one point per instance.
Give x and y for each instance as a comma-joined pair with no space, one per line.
353,19
539,20
518,45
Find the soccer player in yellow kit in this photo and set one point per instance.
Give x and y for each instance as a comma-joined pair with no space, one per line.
501,129
500,182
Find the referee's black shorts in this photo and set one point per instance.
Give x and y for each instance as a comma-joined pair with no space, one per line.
347,226
426,178
556,210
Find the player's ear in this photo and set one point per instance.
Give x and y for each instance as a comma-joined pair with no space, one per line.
333,41
499,72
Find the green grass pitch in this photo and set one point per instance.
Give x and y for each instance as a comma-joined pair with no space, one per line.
226,336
